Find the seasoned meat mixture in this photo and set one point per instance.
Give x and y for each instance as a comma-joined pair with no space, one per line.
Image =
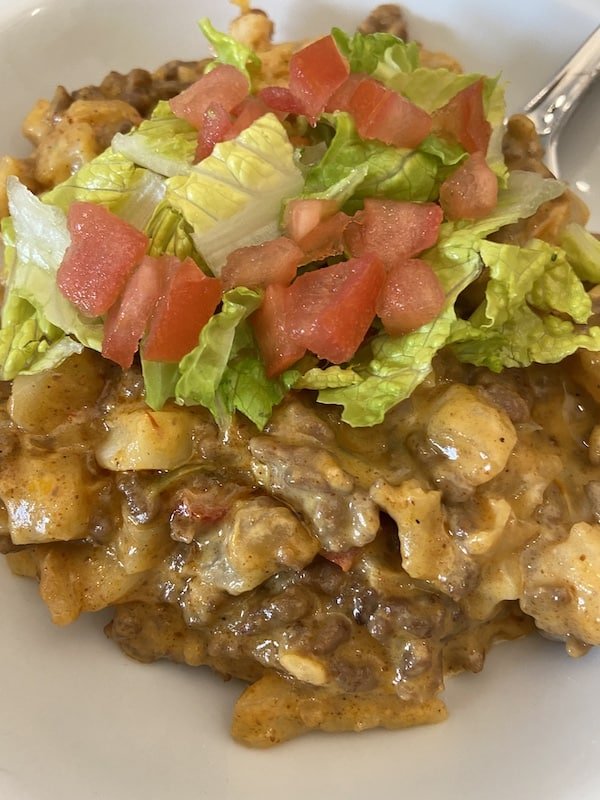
342,572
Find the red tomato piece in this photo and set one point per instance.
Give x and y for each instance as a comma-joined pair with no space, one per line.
249,110
333,307
383,114
394,229
301,216
275,261
271,328
471,192
411,296
340,99
280,99
127,319
224,84
188,300
316,72
104,250
463,118
326,240
216,123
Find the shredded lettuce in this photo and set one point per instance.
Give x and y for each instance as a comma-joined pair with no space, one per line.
381,55
40,240
583,251
233,198
105,180
523,319
164,143
390,172
229,51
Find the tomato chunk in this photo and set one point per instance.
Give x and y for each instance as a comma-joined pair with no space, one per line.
281,99
316,72
279,350
216,123
224,84
394,229
104,250
248,111
411,296
301,216
326,240
127,319
188,300
275,261
340,99
471,192
383,114
333,307
463,118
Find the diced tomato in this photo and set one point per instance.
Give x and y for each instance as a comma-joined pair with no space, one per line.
326,240
249,110
383,114
333,307
340,99
301,216
216,123
316,72
127,319
280,99
411,296
271,328
471,192
188,300
463,118
224,84
104,250
275,261
394,229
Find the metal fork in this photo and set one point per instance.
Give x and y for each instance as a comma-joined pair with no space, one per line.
553,105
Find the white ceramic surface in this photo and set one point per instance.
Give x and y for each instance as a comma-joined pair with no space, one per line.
78,721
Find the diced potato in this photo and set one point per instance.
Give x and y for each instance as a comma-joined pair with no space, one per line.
39,403
475,437
139,438
48,497
429,552
561,585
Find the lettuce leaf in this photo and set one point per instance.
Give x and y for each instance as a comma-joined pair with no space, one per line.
202,370
40,240
105,180
229,51
583,251
163,143
245,386
391,172
522,319
379,54
233,198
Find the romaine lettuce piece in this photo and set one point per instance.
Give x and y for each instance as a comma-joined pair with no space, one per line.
381,55
40,240
391,172
164,143
202,370
233,198
229,51
583,251
522,319
105,180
